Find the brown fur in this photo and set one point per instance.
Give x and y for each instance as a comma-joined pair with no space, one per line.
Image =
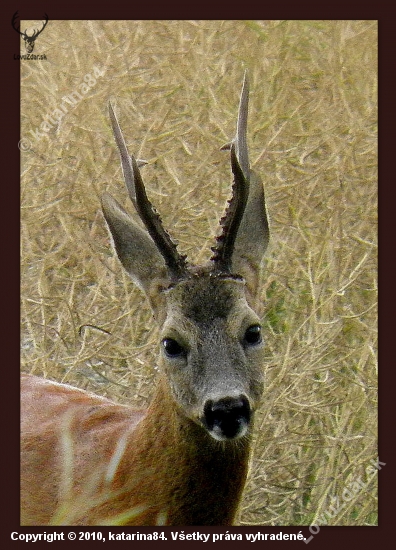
193,483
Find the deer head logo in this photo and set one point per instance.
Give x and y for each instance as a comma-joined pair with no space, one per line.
33,34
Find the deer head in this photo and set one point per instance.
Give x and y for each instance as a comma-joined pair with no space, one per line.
211,344
29,38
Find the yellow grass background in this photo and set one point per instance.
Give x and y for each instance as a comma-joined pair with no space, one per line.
312,137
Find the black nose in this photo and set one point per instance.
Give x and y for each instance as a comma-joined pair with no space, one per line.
227,418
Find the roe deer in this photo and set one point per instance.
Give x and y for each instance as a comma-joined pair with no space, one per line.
89,461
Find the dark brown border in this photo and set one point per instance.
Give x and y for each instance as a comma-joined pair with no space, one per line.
328,536
9,270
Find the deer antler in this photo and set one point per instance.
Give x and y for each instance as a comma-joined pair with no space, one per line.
13,20
230,222
175,262
35,35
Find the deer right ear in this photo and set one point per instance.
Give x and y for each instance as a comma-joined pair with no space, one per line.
136,251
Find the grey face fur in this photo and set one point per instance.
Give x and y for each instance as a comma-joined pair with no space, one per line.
216,358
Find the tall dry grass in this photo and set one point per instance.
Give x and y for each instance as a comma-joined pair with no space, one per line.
312,137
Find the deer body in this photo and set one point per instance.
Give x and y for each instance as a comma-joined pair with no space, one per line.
201,476
184,461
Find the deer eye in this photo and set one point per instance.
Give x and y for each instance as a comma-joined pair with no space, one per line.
172,348
253,335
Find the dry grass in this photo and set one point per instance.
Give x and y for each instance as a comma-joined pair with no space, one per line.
312,136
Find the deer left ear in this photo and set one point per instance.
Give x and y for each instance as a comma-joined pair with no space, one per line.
252,238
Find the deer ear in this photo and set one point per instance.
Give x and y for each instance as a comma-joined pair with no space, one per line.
252,238
136,251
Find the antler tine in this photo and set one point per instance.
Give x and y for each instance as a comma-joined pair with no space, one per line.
43,27
230,222
13,20
175,262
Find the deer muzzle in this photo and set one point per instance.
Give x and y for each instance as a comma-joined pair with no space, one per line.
227,418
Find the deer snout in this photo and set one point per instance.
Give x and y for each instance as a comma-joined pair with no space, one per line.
227,418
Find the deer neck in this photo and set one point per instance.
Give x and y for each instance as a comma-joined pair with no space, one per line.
186,477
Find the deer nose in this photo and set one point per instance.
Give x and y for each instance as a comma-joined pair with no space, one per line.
227,418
